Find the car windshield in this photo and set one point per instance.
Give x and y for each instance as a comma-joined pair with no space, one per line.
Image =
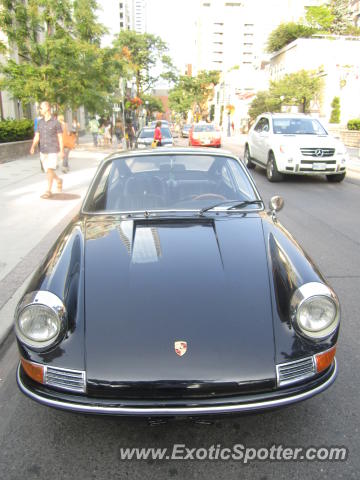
149,132
171,182
298,126
204,128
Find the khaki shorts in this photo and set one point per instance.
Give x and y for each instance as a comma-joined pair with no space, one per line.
48,160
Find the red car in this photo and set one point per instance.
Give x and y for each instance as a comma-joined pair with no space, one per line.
204,135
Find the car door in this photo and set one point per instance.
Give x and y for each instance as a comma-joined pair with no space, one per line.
263,141
254,140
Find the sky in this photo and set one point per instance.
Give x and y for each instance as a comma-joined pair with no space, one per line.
174,22
171,20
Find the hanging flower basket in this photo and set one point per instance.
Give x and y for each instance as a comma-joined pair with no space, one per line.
136,101
230,109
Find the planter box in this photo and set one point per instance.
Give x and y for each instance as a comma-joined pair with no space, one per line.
14,150
351,138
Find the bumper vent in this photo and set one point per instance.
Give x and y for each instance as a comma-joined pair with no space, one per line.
318,152
73,380
293,372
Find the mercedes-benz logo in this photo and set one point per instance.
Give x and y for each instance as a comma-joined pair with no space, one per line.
319,152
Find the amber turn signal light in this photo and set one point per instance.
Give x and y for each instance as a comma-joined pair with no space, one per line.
324,360
33,370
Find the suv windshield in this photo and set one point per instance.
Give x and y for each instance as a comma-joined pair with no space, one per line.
169,182
298,126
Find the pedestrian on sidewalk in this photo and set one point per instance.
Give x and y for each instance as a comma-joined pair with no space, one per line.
75,128
119,132
129,135
157,134
94,130
69,141
49,134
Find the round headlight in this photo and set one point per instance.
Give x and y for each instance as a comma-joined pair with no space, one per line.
39,323
315,310
40,320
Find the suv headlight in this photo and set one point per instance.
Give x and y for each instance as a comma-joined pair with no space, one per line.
315,310
40,320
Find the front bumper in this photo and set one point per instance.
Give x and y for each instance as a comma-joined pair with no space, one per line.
212,406
310,165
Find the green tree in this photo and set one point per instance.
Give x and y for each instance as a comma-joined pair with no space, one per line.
181,97
342,18
54,53
194,93
320,17
286,33
264,102
335,113
142,52
298,88
152,104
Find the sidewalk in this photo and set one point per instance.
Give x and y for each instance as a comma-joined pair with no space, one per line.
30,224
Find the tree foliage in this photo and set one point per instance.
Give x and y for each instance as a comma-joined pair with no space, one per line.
298,88
264,102
319,17
295,89
333,18
142,53
194,93
286,33
152,104
342,18
54,53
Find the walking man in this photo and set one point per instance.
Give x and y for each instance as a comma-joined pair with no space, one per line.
49,133
94,130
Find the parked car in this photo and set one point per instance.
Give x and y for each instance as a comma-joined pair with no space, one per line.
146,135
174,292
205,135
296,144
185,130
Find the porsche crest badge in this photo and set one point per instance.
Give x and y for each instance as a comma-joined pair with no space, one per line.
180,347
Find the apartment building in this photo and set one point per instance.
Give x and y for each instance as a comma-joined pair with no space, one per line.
336,60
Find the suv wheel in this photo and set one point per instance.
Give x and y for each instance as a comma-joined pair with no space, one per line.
338,177
272,173
247,158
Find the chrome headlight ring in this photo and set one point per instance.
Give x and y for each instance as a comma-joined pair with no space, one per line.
40,320
321,301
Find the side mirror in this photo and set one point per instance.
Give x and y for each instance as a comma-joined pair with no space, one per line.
276,204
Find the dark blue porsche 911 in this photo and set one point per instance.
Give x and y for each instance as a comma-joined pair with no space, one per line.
174,291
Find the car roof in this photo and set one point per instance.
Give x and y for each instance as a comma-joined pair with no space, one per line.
285,115
172,151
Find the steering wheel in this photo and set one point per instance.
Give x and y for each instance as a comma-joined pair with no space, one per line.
209,195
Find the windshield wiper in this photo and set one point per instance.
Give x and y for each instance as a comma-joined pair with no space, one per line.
235,204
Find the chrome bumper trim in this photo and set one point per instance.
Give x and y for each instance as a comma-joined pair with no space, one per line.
169,411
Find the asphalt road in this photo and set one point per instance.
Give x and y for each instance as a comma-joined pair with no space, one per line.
42,443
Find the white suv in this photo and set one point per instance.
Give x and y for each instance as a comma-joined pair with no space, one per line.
287,143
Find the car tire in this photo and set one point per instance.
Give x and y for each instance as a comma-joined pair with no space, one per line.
247,158
272,173
338,177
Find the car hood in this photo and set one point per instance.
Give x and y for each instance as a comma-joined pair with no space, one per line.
151,283
308,141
